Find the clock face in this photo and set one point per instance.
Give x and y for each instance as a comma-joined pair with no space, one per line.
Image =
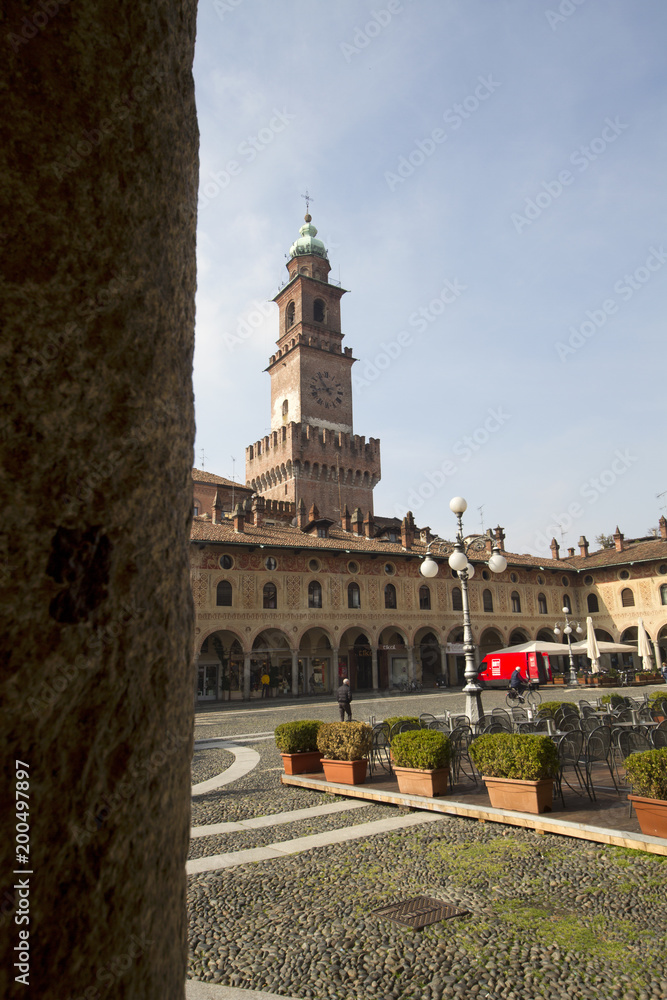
326,390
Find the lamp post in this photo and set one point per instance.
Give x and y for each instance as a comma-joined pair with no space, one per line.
458,561
567,629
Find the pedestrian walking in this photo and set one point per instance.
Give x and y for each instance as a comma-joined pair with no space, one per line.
344,698
266,680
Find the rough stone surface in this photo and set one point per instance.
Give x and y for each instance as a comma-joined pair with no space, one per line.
98,183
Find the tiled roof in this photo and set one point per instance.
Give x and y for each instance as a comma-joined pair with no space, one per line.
286,536
199,476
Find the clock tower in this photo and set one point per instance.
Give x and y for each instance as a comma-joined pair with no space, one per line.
312,453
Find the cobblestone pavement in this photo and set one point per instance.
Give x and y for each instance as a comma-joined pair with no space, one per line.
549,916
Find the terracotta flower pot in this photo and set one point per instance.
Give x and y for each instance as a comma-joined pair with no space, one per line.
415,781
345,772
520,796
306,762
652,815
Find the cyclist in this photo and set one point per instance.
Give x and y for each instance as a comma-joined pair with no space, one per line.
517,683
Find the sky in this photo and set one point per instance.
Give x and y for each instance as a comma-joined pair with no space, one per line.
488,177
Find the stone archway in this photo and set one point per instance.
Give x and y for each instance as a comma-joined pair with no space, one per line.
220,667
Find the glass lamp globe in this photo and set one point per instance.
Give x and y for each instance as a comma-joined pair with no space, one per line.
457,560
556,631
471,571
429,567
497,563
458,505
567,630
565,611
579,629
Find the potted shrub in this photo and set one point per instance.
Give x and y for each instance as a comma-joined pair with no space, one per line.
393,719
297,742
345,747
517,769
421,762
647,774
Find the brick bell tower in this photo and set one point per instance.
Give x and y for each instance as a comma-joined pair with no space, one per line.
312,453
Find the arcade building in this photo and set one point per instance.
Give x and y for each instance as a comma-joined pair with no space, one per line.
294,575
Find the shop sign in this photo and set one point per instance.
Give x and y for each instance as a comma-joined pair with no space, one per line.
455,648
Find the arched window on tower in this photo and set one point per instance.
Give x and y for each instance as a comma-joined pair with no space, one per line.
390,596
318,310
289,315
285,410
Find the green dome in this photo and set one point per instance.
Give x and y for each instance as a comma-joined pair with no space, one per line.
307,242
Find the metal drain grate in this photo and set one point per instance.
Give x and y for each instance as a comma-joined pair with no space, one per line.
420,911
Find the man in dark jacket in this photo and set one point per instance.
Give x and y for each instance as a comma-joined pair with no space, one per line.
344,699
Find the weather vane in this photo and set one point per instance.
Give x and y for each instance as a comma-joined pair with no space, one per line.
308,201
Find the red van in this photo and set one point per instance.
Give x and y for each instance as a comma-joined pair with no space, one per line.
496,669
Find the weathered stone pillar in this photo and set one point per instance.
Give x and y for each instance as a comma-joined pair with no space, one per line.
98,187
411,664
374,666
295,672
444,669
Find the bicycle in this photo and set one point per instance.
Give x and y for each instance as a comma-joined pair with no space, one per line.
529,696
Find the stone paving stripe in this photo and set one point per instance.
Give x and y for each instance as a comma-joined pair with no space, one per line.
274,819
196,990
341,836
221,742
246,760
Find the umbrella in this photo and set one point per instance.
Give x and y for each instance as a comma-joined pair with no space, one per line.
643,645
604,647
535,646
592,649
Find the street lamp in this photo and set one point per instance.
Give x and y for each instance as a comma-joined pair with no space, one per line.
567,629
458,561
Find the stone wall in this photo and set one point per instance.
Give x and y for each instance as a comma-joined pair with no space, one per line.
98,182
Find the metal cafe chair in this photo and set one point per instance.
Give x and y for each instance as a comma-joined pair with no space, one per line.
598,750
380,748
572,758
425,718
439,725
461,737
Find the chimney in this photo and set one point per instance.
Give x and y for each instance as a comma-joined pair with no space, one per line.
345,519
408,530
583,546
313,514
488,542
358,522
663,526
258,509
369,525
618,540
570,552
239,518
217,509
554,549
301,516
499,536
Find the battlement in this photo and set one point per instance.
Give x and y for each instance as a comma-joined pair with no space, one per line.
304,436
321,341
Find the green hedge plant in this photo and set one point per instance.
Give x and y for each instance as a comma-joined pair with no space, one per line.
647,773
527,756
615,700
553,706
426,749
297,737
345,740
